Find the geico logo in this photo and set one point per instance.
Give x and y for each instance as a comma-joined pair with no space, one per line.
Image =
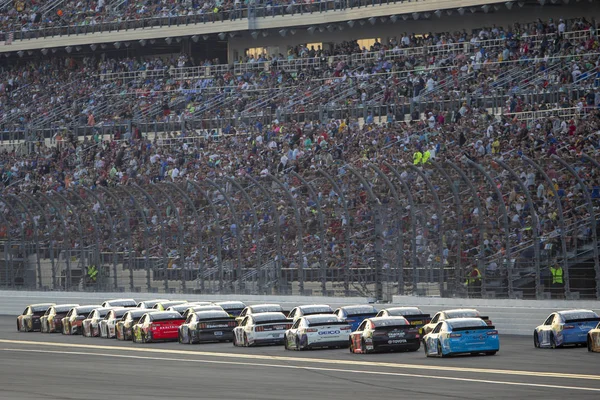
329,332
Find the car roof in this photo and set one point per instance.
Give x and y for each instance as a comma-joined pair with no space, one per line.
213,314
42,305
231,303
154,301
401,308
107,309
65,305
165,314
265,305
270,313
108,301
575,311
377,319
366,307
88,306
139,312
459,309
456,320
314,306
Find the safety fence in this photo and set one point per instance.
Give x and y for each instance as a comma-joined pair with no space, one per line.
509,227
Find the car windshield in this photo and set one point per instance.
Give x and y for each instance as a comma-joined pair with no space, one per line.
63,309
275,317
212,314
575,315
86,310
467,324
321,319
119,313
122,303
38,309
262,309
380,323
462,314
404,311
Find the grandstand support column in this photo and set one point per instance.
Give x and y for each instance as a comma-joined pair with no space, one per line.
35,235
7,250
438,205
198,224
255,229
113,241
163,239
81,242
492,184
236,220
340,193
377,232
125,214
217,226
96,253
140,211
588,200
459,216
50,242
22,230
534,226
299,232
561,222
278,250
413,224
180,238
65,241
322,263
482,229
399,239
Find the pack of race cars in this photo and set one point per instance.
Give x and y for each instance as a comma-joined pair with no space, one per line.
361,328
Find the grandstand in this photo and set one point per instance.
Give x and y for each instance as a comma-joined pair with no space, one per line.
268,148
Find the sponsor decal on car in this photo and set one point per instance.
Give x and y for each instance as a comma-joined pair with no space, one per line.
396,341
329,332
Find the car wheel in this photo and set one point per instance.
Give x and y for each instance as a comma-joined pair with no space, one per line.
536,340
18,326
552,342
298,346
191,337
490,353
235,343
439,349
351,346
144,339
363,346
180,337
589,343
425,349
246,342
285,343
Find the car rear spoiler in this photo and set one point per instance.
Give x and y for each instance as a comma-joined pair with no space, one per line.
328,323
274,322
416,317
474,328
583,320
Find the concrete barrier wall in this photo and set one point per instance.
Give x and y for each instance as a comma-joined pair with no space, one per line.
515,317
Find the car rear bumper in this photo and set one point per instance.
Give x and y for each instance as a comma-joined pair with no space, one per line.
328,343
211,337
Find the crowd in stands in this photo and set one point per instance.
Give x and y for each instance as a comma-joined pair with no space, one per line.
549,66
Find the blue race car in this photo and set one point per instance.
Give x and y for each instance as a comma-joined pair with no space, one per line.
564,328
460,336
354,315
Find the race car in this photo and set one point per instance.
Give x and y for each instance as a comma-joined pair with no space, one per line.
148,304
107,325
181,308
317,331
385,334
266,328
355,315
127,303
123,327
195,309
450,314
50,322
413,315
565,328
90,327
163,305
207,326
593,339
29,320
258,308
71,323
234,308
461,335
312,309
157,326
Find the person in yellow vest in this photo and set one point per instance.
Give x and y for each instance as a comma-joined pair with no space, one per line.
417,157
92,274
558,282
426,156
474,282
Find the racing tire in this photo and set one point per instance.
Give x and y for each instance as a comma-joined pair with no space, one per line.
143,338
536,340
298,347
18,326
285,343
439,350
490,353
589,344
552,342
234,341
351,347
425,349
364,346
179,338
246,342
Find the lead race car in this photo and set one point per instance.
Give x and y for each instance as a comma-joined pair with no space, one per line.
29,320
385,334
569,327
317,331
460,336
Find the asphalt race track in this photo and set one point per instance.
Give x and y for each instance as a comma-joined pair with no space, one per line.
53,366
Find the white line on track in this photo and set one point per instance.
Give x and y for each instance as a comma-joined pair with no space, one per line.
367,364
297,367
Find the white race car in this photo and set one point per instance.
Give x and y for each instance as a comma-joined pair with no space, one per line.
107,325
302,311
90,325
262,328
317,331
120,303
258,308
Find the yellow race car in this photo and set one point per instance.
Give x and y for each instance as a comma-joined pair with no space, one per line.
593,339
